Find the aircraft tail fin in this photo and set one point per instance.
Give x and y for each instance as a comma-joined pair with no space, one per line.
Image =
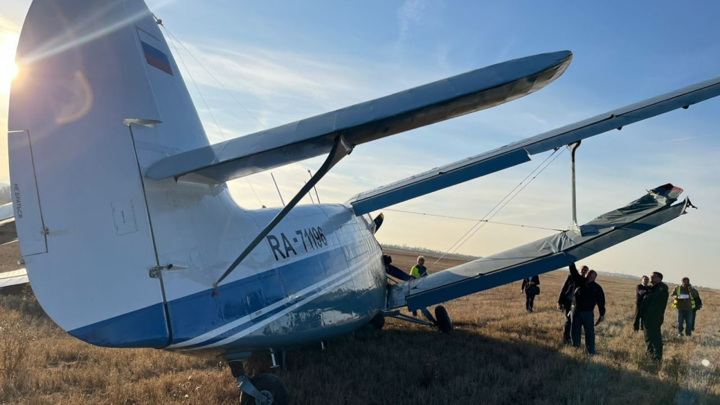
98,98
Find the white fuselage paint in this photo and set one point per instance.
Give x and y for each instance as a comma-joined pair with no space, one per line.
118,259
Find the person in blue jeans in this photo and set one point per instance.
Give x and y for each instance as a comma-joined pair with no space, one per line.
685,300
588,294
564,304
530,288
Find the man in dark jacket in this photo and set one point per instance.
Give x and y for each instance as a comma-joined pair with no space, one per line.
640,291
530,288
588,294
564,303
652,314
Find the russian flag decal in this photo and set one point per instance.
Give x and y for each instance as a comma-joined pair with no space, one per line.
156,58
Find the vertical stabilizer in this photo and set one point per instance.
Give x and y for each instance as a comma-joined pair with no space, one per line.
90,72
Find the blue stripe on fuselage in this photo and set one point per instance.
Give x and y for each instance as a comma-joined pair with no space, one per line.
134,329
195,314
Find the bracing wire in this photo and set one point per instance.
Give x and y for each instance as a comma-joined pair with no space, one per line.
474,220
197,88
501,204
216,79
174,41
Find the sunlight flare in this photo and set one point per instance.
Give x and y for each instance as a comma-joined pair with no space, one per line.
8,68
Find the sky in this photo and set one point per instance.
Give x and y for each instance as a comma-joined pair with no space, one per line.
255,65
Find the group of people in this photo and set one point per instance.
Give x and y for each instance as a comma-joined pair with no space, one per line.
580,294
650,310
578,297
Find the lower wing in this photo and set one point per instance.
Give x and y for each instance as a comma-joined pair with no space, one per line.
544,255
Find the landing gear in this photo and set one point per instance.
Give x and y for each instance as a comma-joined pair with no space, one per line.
278,359
271,389
443,320
263,389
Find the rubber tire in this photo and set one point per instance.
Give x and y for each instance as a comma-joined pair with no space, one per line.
270,383
443,320
378,322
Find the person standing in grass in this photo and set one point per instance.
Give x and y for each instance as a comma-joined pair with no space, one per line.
684,300
564,304
588,294
530,288
652,315
698,306
419,270
640,292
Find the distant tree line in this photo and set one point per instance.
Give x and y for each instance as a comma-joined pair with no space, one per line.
427,251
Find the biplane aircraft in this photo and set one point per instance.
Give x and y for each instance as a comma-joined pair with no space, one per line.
131,238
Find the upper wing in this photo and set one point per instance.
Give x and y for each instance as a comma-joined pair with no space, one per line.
360,123
607,230
519,152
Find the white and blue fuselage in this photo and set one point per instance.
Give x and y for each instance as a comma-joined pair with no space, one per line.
122,260
325,278
131,238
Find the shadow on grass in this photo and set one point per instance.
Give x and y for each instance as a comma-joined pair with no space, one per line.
427,367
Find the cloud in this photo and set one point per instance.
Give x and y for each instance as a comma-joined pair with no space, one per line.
273,76
410,12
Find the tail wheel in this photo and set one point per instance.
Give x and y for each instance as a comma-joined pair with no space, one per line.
443,319
272,391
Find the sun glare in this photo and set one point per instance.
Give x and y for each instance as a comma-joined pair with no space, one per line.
8,71
8,68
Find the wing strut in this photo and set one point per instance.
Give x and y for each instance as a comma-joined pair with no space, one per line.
340,149
574,225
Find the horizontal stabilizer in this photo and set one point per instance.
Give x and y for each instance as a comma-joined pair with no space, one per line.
519,152
544,255
365,122
15,277
8,232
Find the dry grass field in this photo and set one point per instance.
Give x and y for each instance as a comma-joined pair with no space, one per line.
498,354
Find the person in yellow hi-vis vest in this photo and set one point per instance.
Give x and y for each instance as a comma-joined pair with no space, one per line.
684,297
419,270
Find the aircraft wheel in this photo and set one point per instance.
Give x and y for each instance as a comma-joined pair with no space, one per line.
443,319
378,322
272,390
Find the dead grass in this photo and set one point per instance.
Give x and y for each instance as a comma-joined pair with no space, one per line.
498,354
